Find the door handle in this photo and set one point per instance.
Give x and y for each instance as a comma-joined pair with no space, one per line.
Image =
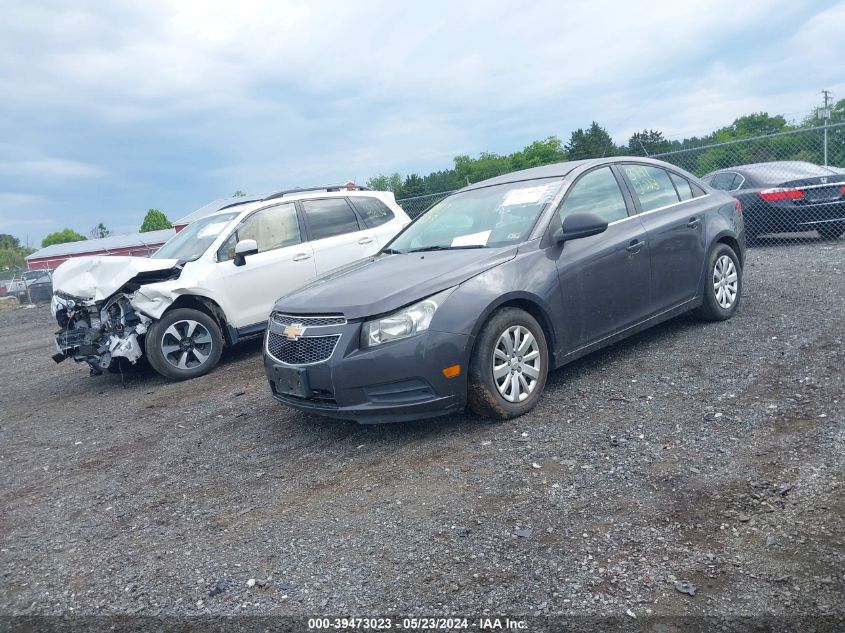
301,257
694,222
635,247
365,240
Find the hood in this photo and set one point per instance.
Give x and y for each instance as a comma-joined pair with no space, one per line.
99,276
385,283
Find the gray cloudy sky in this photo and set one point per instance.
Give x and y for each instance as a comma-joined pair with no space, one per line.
109,109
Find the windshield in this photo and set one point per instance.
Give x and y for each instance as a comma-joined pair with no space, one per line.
487,217
192,241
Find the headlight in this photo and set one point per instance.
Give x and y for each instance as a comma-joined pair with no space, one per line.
57,303
403,323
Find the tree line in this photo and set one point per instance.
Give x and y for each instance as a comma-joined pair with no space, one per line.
596,142
695,154
155,220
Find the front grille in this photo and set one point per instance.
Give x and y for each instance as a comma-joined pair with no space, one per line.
308,321
305,350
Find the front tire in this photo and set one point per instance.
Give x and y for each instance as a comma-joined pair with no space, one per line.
184,344
722,285
509,364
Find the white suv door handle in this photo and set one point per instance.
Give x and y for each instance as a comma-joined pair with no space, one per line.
301,257
365,240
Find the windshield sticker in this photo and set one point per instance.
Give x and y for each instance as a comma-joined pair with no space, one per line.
212,230
526,195
473,239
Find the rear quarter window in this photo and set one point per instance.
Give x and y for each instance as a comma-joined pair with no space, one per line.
682,185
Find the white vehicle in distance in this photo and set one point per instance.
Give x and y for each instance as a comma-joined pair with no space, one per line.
214,282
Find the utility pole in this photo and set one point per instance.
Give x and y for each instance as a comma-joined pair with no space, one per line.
824,115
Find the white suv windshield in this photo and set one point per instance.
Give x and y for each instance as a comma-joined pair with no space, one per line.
192,241
498,215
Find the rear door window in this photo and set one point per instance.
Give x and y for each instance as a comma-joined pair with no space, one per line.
373,210
329,217
652,186
595,192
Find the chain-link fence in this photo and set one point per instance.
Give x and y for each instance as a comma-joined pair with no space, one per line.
416,205
786,191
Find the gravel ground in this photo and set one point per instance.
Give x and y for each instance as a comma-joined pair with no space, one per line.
708,453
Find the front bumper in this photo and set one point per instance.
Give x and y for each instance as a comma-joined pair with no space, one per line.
398,381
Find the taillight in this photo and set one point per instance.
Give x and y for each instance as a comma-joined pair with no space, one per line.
737,205
773,195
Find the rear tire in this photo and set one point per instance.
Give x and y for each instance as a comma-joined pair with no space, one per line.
184,344
722,285
509,364
831,230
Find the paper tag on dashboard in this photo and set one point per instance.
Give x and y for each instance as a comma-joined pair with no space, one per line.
473,239
527,195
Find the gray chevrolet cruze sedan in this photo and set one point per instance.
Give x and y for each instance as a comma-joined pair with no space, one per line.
501,282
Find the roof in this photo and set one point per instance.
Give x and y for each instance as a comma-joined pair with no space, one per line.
224,203
556,170
104,244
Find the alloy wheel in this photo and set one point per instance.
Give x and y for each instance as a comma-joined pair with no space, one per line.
516,363
186,344
725,282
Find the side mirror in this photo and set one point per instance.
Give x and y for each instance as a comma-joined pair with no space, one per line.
579,225
244,248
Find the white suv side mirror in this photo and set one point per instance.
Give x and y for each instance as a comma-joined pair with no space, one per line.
244,248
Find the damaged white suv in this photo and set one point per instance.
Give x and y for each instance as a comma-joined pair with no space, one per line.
214,282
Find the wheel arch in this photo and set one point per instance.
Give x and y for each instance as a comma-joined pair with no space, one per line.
207,306
530,304
733,242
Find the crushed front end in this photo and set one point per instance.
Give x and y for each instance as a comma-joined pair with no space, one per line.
98,332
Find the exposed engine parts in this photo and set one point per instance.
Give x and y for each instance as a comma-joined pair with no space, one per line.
98,333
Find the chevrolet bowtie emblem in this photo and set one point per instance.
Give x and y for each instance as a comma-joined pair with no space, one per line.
294,331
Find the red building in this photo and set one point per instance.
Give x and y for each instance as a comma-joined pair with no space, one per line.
137,244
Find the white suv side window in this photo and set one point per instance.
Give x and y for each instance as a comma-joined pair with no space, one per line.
271,228
329,217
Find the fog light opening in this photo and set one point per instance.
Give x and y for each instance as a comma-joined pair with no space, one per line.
452,372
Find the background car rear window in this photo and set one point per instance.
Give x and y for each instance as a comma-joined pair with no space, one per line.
595,192
725,181
329,217
682,185
651,186
373,210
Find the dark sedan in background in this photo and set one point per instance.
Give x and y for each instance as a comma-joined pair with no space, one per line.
786,197
475,301
40,290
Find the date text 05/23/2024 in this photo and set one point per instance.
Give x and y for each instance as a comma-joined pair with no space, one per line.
418,624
